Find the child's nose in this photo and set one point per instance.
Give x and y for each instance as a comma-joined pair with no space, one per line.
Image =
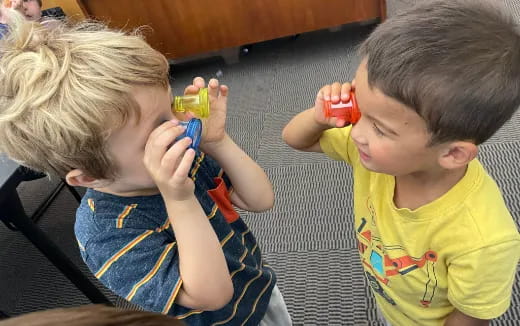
357,134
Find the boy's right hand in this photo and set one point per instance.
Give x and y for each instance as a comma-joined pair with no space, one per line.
169,161
334,92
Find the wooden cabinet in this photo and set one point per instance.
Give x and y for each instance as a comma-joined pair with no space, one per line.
183,28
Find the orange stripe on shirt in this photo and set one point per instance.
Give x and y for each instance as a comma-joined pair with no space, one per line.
91,204
152,272
164,226
121,217
173,295
121,252
197,166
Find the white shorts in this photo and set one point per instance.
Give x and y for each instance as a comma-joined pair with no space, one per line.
276,314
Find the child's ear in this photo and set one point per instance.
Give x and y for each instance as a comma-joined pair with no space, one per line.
77,178
458,154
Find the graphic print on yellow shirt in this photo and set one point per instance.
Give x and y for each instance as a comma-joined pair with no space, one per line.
387,261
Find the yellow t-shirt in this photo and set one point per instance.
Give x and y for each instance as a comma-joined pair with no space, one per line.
459,251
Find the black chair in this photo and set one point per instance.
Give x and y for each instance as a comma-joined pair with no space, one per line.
55,12
14,217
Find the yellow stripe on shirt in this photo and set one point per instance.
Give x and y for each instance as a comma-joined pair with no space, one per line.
257,299
242,267
164,226
197,166
226,239
189,313
121,217
173,295
213,212
152,272
91,204
243,236
235,306
254,249
121,252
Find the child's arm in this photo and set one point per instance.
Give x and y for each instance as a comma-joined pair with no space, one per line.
457,318
303,132
252,189
203,269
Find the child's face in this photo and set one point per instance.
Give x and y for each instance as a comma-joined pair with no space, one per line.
126,145
31,9
390,137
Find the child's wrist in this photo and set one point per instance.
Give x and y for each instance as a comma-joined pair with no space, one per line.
216,146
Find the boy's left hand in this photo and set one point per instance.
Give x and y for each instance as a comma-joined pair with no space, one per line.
214,127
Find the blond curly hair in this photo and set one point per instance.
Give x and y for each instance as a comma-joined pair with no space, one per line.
65,87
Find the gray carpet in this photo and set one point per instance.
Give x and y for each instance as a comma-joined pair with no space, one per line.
308,236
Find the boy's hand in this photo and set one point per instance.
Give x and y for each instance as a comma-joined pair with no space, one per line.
169,164
214,128
334,93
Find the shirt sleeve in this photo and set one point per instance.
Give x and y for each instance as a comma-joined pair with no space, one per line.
480,282
139,265
338,145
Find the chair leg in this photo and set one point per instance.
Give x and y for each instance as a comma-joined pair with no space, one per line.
14,213
46,203
73,191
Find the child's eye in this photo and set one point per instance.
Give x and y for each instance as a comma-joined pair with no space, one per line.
378,131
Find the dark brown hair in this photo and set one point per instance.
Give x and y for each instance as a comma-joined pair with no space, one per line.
455,62
92,315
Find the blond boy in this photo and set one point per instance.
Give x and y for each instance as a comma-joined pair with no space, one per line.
157,224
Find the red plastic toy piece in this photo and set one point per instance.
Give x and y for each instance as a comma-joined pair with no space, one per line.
348,111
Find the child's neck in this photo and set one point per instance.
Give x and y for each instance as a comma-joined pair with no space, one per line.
129,193
415,190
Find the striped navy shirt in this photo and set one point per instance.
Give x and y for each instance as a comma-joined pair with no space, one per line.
129,245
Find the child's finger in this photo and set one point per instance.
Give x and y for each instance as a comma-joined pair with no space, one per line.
171,158
158,143
335,92
183,169
224,90
325,92
213,88
162,128
345,92
191,89
199,82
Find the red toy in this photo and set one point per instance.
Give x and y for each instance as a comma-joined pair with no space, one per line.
348,111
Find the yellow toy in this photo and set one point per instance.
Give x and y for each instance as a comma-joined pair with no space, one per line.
196,103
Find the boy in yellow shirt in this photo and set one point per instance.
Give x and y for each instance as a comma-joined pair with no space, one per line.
436,240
